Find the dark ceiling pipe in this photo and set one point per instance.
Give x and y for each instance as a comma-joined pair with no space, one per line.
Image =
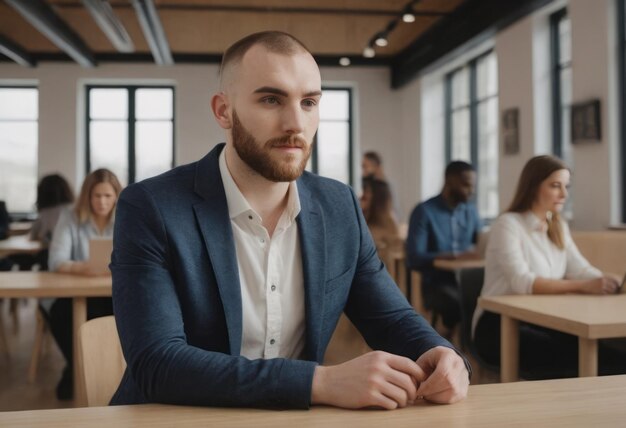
153,31
16,52
43,18
110,24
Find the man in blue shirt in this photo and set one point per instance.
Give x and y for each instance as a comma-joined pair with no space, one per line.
444,227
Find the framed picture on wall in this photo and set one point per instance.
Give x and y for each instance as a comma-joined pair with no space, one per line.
510,131
586,126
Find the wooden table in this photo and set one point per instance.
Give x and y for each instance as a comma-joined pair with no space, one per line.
50,284
20,244
580,402
20,227
590,317
456,265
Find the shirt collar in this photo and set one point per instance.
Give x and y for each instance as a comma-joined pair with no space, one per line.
237,203
534,223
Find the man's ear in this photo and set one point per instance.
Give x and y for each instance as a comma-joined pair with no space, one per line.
221,111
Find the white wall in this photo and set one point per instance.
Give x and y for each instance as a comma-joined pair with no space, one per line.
523,51
61,96
515,84
523,58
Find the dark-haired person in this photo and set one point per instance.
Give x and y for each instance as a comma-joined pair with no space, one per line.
377,210
372,167
531,251
444,227
54,195
230,273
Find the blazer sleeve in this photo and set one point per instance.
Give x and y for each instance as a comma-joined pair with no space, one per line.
163,366
379,310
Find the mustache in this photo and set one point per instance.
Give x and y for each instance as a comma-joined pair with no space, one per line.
294,141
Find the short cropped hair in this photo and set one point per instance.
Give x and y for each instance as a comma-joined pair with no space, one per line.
456,168
373,157
274,41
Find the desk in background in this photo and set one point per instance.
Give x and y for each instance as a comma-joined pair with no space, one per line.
50,284
582,402
20,227
20,244
590,317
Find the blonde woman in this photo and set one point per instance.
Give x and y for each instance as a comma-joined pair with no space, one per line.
531,251
92,217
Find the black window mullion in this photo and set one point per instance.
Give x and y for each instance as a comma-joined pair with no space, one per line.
448,117
621,28
131,134
88,130
555,53
473,91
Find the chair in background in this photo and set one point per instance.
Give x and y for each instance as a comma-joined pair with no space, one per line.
101,360
470,286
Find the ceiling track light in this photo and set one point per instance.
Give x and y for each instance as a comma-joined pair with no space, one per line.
408,15
153,31
380,39
369,52
344,61
109,23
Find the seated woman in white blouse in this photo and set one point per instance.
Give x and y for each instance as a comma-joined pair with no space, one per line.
531,251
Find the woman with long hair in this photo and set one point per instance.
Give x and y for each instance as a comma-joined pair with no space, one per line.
531,251
377,207
92,217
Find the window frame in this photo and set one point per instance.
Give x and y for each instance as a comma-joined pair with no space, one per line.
555,70
350,121
473,104
621,82
30,215
131,120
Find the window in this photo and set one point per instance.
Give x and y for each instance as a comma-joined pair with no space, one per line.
560,33
18,148
332,152
471,125
621,17
130,130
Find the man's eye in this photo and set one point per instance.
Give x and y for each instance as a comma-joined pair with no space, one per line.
309,102
270,100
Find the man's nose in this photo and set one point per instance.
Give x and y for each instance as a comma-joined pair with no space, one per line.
293,119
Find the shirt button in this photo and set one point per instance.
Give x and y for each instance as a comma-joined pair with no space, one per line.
262,241
250,217
272,341
273,288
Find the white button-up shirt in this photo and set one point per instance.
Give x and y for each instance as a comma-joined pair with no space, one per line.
270,275
519,251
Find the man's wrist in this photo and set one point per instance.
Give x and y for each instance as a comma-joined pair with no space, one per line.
318,385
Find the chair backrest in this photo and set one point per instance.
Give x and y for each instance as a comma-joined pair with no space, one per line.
101,359
470,285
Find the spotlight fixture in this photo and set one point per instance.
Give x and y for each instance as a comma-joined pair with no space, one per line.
408,15
344,61
380,39
369,52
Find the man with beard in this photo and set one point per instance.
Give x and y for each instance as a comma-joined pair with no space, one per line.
444,227
230,274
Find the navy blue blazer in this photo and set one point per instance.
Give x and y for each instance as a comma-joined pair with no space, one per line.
177,298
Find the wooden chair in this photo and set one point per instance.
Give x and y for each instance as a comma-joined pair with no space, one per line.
100,359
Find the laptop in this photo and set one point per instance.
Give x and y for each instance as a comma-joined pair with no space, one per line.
100,250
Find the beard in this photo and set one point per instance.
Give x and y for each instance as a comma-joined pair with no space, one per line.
261,157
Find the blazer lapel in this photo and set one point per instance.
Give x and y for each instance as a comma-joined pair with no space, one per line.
214,222
312,235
